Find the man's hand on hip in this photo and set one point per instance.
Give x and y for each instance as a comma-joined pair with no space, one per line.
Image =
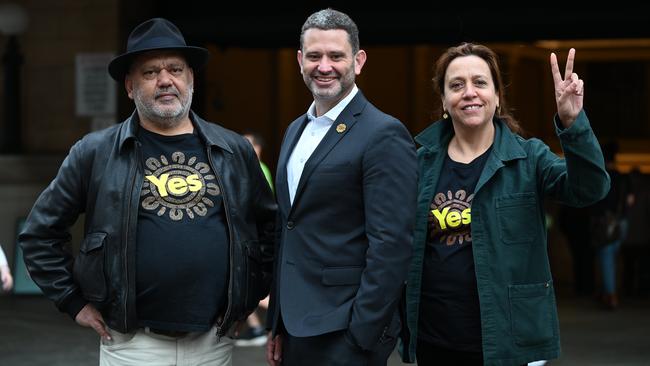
90,317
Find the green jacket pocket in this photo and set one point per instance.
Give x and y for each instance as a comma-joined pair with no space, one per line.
531,313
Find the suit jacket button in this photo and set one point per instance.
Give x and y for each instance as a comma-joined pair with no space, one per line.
290,225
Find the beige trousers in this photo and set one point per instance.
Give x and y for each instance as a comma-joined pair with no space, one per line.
143,348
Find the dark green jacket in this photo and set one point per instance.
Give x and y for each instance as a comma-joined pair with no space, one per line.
518,313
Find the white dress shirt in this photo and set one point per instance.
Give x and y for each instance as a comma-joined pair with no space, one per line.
312,135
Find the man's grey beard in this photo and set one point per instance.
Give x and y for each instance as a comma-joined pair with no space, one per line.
164,118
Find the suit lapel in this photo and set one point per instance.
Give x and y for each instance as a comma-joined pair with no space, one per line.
332,137
291,139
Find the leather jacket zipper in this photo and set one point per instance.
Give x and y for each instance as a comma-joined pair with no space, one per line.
230,244
127,223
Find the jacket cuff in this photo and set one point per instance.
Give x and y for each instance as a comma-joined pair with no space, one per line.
580,125
73,305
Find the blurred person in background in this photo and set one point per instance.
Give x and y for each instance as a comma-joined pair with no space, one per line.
255,334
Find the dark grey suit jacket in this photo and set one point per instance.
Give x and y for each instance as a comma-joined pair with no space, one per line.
346,240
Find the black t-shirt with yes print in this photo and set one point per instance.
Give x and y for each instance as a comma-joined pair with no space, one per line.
449,307
182,236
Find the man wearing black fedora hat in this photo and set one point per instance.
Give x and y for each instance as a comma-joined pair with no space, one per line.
179,219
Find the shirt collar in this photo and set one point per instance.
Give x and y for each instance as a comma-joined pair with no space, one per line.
333,113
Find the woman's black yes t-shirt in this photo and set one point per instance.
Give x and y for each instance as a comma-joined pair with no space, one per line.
449,307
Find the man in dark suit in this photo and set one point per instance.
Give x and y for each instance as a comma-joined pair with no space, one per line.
346,186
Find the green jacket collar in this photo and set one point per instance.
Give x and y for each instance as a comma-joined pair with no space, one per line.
506,146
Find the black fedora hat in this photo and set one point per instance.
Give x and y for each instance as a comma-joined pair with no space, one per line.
155,34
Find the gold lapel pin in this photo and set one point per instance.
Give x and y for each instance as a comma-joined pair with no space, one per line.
341,127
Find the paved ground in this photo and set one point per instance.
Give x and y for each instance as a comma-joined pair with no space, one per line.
33,333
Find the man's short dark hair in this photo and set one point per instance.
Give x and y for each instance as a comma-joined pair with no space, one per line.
328,19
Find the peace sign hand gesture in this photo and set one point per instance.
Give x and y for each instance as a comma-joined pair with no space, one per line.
569,93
